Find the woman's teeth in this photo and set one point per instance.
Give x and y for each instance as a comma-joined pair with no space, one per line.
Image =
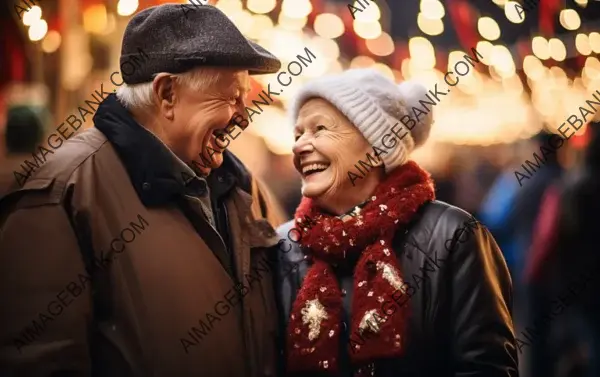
309,169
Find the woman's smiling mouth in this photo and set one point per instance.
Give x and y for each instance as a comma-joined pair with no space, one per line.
310,169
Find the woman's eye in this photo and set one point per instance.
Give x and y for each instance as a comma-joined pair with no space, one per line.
321,127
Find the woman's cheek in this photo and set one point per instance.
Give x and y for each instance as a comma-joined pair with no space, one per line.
329,143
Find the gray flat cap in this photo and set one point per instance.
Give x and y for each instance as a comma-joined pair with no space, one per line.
178,37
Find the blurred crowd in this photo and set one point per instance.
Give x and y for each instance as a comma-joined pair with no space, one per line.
545,228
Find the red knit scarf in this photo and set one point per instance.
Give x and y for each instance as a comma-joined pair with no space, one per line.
314,325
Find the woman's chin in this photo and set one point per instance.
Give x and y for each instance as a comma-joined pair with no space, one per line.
313,190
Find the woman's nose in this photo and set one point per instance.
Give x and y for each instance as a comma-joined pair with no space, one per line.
303,145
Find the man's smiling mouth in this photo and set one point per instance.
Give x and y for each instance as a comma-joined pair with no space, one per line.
210,140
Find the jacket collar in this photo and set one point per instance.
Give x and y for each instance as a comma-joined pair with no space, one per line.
150,164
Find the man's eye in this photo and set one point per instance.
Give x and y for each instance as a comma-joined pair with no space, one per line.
321,127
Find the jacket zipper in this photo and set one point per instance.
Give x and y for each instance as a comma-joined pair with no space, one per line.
220,208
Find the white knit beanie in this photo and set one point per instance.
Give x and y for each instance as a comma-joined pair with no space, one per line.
374,104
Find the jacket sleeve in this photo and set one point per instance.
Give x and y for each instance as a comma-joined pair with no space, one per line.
44,295
483,333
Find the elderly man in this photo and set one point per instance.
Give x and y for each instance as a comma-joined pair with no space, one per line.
117,258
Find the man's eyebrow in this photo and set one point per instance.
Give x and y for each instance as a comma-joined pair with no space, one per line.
240,88
244,87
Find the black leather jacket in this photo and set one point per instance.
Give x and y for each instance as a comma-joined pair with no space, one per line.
460,306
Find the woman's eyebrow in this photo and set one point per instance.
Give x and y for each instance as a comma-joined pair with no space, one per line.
326,121
313,120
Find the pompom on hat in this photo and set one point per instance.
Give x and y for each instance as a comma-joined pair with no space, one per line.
374,104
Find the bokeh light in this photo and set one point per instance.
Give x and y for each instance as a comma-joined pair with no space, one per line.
432,9
38,30
368,13
594,39
488,28
293,24
533,67
558,51
569,19
329,25
485,49
582,43
421,52
362,61
95,19
296,8
514,12
127,7
430,26
367,30
51,42
261,6
540,48
501,59
32,15
382,45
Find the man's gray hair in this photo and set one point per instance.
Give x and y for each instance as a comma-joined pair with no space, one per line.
140,95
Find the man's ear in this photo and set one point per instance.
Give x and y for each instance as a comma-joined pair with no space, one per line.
163,87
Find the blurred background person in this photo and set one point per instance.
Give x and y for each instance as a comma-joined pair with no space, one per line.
24,131
518,206
511,207
564,256
497,206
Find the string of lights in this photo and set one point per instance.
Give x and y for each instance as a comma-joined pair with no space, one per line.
521,88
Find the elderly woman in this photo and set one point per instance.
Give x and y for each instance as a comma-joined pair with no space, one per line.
389,281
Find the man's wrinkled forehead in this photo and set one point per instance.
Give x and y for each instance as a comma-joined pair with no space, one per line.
238,81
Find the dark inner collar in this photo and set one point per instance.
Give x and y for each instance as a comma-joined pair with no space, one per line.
354,211
150,163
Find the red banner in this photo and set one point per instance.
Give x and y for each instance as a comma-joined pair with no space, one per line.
464,20
548,15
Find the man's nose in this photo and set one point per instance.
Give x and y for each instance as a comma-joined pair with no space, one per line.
241,107
303,145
